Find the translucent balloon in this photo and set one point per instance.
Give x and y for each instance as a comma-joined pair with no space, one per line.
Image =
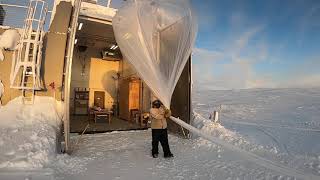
157,38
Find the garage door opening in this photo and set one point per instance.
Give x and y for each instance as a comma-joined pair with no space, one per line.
105,91
97,77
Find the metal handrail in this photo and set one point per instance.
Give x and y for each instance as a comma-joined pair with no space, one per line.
14,5
17,6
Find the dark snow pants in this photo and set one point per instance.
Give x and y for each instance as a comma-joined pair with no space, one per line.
160,135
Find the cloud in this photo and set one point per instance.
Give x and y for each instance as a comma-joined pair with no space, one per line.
229,69
242,41
218,74
248,43
206,55
233,75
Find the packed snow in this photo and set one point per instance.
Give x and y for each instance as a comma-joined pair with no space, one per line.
126,155
28,133
278,127
284,119
97,11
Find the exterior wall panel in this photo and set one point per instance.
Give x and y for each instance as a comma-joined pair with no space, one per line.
101,73
5,69
55,49
181,101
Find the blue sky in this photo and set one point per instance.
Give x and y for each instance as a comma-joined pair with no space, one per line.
253,43
257,44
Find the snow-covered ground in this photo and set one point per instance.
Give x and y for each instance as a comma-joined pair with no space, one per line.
28,133
281,125
286,119
126,155
276,127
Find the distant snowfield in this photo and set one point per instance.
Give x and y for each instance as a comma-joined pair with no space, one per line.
281,126
286,119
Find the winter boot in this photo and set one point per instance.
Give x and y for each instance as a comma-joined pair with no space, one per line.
155,155
168,155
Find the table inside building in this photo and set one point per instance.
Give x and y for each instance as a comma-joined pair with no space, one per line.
101,115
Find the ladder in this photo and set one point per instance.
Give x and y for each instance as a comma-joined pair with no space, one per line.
26,61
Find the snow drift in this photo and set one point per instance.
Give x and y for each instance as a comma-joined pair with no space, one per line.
29,133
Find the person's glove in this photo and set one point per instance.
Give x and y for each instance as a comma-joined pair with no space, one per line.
167,113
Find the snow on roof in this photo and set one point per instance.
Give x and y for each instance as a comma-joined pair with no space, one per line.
4,27
8,41
97,11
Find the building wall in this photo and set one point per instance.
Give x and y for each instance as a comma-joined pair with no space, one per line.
81,68
97,75
78,78
5,69
55,50
181,101
101,79
126,69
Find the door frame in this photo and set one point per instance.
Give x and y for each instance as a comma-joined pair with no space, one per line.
68,71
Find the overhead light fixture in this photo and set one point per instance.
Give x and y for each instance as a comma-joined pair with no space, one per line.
80,26
75,41
113,47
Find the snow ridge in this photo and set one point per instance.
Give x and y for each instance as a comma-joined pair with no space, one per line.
28,134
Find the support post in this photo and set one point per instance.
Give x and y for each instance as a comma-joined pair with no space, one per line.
67,79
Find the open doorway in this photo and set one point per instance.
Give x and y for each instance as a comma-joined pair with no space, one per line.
105,91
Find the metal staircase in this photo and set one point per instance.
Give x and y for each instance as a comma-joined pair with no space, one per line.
26,60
